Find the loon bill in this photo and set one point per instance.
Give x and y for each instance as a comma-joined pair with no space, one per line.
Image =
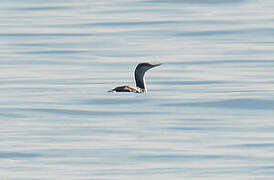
139,79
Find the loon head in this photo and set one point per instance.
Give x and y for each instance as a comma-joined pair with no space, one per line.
143,67
140,72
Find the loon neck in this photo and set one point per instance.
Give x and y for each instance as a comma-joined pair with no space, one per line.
139,80
140,73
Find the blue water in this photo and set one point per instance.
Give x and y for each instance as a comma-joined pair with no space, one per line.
208,113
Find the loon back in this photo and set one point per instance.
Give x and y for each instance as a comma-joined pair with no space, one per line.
127,89
139,74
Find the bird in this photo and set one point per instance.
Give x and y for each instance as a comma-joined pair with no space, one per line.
139,79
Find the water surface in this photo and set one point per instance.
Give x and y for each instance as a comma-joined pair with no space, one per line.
208,113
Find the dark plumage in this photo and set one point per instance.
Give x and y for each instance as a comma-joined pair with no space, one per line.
139,79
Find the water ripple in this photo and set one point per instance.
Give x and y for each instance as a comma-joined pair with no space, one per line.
78,112
189,82
249,104
45,34
213,2
18,155
254,145
187,157
229,62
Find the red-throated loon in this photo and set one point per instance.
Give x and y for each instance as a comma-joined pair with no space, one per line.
139,79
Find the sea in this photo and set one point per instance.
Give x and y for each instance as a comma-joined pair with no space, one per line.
208,112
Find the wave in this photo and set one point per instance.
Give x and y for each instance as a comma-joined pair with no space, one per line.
249,104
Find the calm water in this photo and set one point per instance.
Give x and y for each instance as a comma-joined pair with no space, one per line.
208,113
